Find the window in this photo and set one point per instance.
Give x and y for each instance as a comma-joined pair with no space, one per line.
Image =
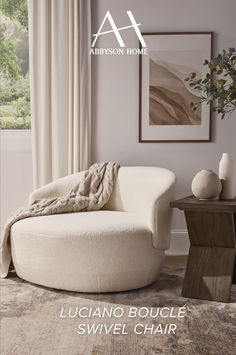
14,65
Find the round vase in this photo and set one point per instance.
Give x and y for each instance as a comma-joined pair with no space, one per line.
227,177
206,185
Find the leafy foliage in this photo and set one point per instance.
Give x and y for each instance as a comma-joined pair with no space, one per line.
15,10
21,47
22,107
14,65
222,87
9,62
15,103
11,90
15,123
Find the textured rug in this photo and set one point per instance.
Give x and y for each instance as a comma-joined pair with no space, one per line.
41,321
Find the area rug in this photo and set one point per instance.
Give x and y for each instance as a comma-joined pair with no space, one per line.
41,321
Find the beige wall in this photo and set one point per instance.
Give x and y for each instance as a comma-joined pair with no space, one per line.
115,92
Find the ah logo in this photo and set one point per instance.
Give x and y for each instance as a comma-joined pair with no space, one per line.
116,30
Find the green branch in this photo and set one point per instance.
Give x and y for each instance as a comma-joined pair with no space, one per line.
15,10
222,87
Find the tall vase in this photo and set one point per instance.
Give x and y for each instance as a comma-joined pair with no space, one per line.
227,177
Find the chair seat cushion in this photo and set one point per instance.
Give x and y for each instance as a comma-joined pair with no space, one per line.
97,251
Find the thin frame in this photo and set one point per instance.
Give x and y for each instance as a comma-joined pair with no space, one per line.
140,91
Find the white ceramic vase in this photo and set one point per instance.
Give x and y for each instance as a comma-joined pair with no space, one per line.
227,177
206,185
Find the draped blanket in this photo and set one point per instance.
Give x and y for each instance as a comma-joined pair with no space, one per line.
90,193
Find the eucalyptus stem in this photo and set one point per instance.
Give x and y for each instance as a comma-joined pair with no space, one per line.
222,88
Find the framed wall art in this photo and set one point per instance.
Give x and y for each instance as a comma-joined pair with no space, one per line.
165,114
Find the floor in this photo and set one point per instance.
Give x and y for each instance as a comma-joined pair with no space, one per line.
41,321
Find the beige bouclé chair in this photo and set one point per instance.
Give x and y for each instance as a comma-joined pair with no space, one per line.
120,247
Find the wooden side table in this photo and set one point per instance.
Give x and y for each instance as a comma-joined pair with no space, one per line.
211,266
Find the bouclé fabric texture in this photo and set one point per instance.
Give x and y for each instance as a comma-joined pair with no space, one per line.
91,192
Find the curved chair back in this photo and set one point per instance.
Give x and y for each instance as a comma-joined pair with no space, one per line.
146,191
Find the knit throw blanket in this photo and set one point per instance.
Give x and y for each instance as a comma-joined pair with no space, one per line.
90,193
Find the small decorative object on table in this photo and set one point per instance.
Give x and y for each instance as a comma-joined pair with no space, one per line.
227,176
206,185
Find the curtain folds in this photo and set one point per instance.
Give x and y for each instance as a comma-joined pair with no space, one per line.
60,84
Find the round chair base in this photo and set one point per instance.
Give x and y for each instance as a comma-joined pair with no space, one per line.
99,251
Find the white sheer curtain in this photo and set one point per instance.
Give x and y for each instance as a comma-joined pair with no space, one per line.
60,76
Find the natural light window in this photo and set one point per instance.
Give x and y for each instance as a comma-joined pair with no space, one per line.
14,65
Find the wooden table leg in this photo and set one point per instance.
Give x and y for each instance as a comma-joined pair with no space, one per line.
209,273
234,273
211,256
